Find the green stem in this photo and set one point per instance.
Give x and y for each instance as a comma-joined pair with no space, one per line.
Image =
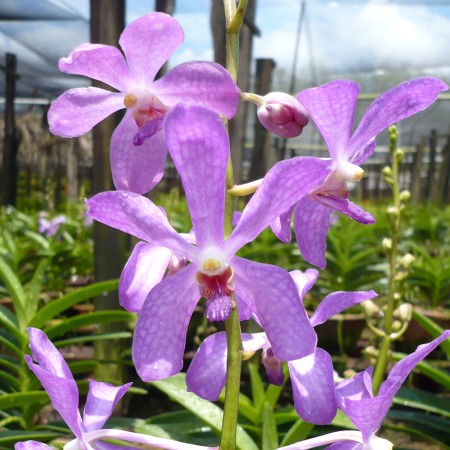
395,213
234,17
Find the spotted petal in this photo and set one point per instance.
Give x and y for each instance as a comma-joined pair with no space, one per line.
148,43
75,112
313,387
199,146
100,62
160,334
332,108
199,83
272,294
138,216
136,168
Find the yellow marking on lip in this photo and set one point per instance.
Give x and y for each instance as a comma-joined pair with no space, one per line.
130,100
211,265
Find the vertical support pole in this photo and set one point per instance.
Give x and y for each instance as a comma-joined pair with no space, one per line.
416,172
10,143
110,245
431,164
262,154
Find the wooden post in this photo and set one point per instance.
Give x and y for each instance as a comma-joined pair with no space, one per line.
416,172
442,185
10,142
110,245
262,147
168,7
431,164
237,125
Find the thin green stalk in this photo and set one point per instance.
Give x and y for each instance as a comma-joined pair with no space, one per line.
394,213
234,17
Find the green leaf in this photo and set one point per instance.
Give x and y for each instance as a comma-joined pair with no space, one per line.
257,386
8,401
431,327
422,400
12,437
92,337
56,307
269,428
34,289
10,380
96,317
15,289
9,321
298,432
415,431
175,388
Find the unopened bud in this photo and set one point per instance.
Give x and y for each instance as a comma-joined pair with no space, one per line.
407,260
387,171
397,296
399,155
370,308
393,212
396,325
393,132
405,196
404,312
282,114
387,244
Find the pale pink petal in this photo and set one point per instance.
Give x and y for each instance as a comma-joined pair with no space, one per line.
160,334
138,216
332,108
199,83
101,400
199,147
283,186
312,382
148,43
75,112
101,62
273,297
311,223
144,269
136,168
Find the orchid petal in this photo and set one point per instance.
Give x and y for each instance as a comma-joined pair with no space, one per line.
394,105
199,83
284,184
145,268
63,393
304,280
332,108
273,296
138,216
403,368
311,222
356,388
136,169
100,62
75,112
346,207
273,366
199,147
31,445
313,387
101,400
347,445
337,302
364,153
141,41
46,354
160,334
207,372
148,130
281,226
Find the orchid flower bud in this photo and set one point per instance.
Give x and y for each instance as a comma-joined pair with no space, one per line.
280,113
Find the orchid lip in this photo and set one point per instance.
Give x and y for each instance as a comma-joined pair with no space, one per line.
212,262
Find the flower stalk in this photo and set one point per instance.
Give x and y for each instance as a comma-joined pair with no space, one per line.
394,213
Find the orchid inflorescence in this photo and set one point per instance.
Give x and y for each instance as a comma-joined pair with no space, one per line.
168,273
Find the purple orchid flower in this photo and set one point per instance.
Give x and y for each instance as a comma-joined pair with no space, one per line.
312,376
56,378
366,411
49,227
147,44
332,108
199,147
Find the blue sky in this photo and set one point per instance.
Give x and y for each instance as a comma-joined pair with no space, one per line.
338,38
